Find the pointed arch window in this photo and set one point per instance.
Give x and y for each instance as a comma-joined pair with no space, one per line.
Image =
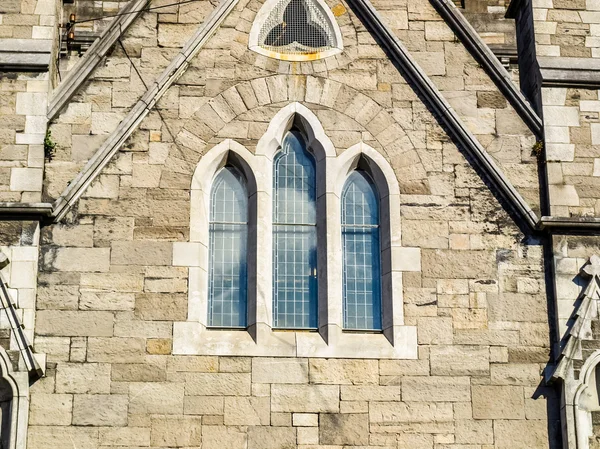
294,235
228,279
361,253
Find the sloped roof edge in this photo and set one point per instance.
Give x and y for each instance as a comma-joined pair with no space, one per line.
130,123
93,56
404,61
490,63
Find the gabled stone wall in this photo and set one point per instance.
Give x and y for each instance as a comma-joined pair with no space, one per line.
109,292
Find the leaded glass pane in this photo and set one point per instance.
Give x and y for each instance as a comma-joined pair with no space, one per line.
228,280
360,240
294,236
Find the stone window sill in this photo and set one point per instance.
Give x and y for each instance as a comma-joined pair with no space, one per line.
191,338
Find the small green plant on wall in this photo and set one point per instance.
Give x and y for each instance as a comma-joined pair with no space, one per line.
538,148
49,146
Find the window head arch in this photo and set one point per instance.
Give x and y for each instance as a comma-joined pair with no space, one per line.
361,253
295,298
228,241
295,30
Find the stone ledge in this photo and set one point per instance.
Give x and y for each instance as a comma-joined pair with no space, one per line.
191,338
571,72
25,55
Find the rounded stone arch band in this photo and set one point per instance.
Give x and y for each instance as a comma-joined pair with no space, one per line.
193,336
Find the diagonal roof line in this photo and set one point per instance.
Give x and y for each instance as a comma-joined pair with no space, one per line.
490,63
400,56
155,91
93,56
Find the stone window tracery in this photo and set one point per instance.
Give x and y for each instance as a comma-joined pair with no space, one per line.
304,203
295,30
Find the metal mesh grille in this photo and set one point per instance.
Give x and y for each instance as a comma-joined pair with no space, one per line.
297,27
360,240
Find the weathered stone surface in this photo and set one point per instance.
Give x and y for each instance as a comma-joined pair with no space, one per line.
390,413
474,432
100,410
279,370
335,371
78,259
141,253
344,429
50,409
82,378
271,438
460,360
74,324
498,402
156,398
161,307
516,433
458,264
436,389
116,350
371,393
221,384
219,437
176,431
305,398
247,411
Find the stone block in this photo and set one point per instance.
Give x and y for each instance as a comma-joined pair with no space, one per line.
517,307
141,252
525,374
100,410
125,436
279,370
199,364
563,195
217,384
271,438
498,402
247,411
176,431
434,330
371,393
511,434
112,282
26,179
50,409
156,398
116,350
77,259
219,437
161,306
307,435
394,413
436,389
43,437
305,398
82,378
438,31
459,360
204,405
343,372
107,301
146,175
473,431
305,419
74,323
458,264
344,429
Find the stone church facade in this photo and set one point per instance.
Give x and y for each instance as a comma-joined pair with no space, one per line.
311,224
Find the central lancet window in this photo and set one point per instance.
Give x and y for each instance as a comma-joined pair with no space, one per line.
295,296
361,253
228,279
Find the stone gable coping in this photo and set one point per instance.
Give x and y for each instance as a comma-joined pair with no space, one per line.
490,63
88,63
396,51
156,90
425,87
570,72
